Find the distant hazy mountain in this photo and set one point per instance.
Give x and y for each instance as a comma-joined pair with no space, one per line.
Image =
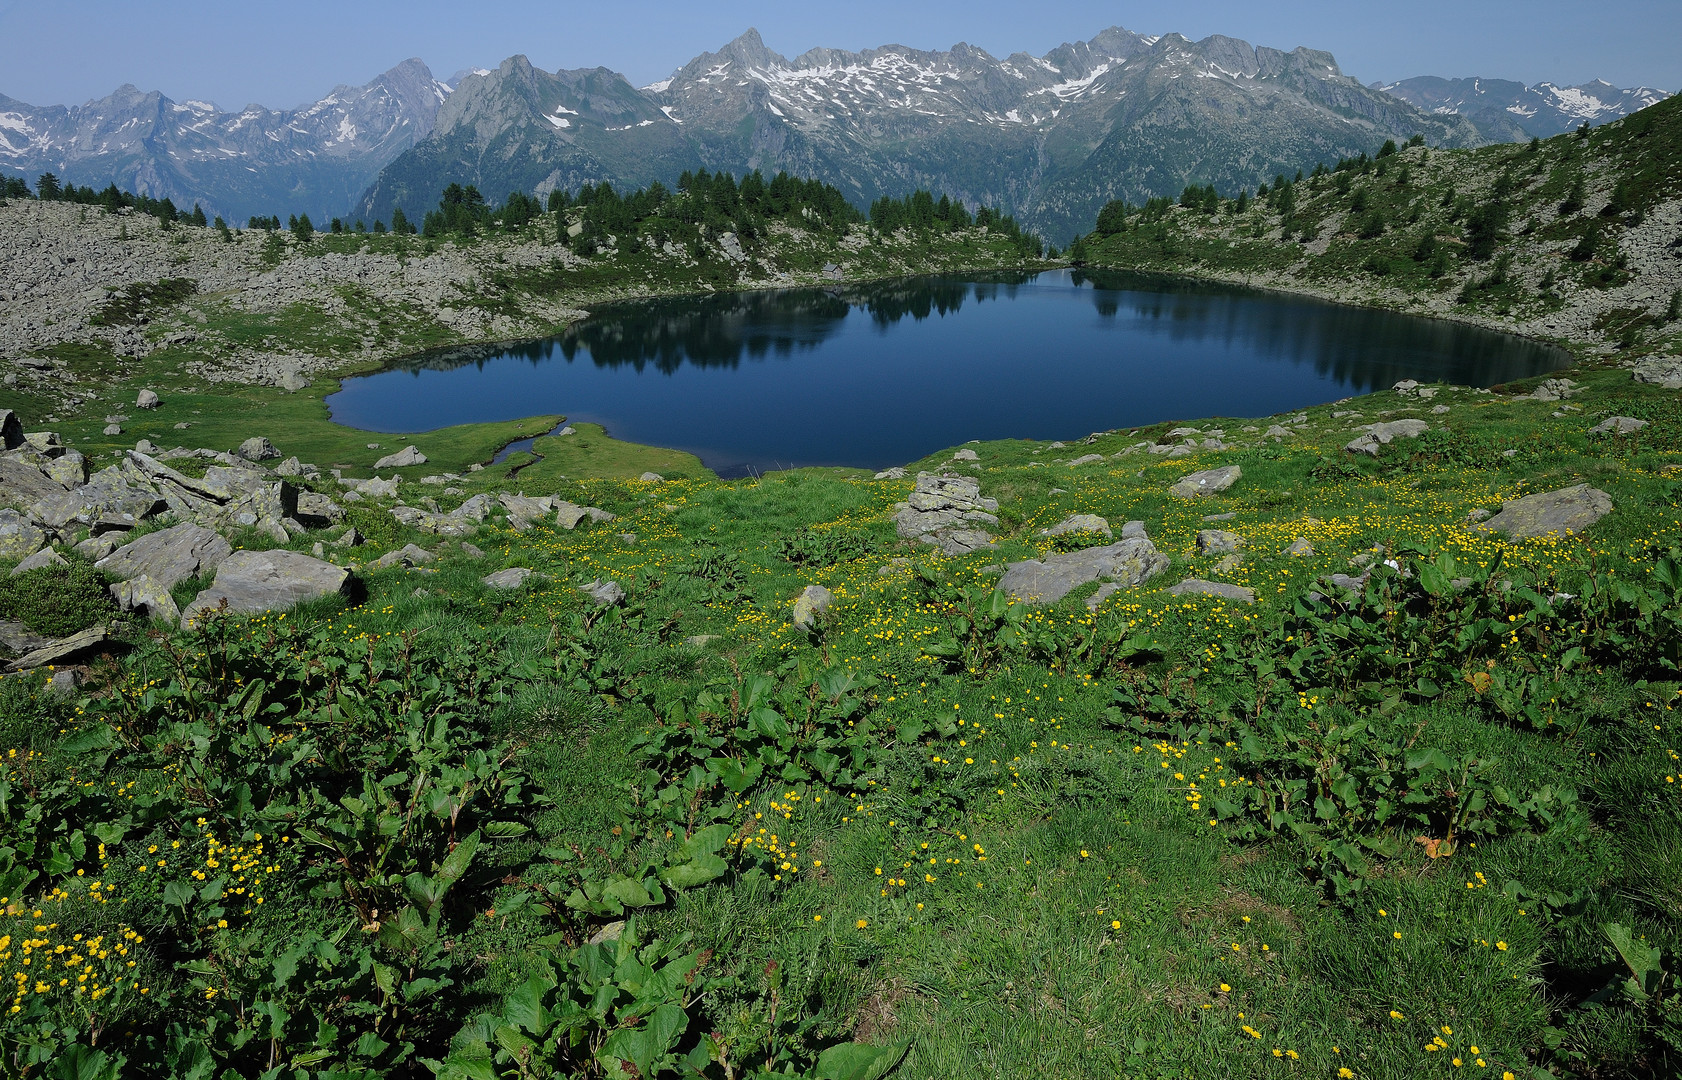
1506,111
1049,138
316,159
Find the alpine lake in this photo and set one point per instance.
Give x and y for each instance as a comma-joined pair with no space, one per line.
884,373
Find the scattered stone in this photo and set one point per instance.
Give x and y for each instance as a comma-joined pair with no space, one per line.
1476,514
1228,563
1217,541
249,582
1438,410
404,458
45,557
511,578
966,455
1134,530
1128,561
64,682
112,429
1207,482
1278,431
1384,433
1086,459
56,652
1213,588
292,381
182,425
146,597
812,602
168,556
651,477
700,641
95,548
1078,523
604,593
1228,516
1300,548
1567,510
1617,425
145,446
895,473
893,566
471,551
147,399
257,448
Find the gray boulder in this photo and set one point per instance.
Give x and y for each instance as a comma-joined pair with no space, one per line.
1128,562
1383,434
22,482
1213,588
249,582
604,593
257,448
895,473
651,477
511,578
1664,372
318,511
409,455
1207,482
568,515
68,468
57,652
1217,541
812,602
293,381
1567,510
19,537
1078,523
147,399
169,556
45,557
146,597
375,488
1617,425
1300,548
966,454
1086,459
407,555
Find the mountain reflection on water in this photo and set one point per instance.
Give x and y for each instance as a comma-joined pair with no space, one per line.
885,372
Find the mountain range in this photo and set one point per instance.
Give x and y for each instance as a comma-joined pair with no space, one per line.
1049,138
1506,111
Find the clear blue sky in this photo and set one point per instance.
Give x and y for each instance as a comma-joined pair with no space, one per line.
282,54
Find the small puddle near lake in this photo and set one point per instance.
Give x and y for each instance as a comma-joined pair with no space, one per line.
885,373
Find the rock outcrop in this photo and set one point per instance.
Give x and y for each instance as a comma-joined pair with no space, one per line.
944,511
1567,510
249,582
1127,562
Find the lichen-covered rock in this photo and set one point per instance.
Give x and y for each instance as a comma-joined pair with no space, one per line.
257,448
169,556
19,537
1217,541
1079,523
944,511
1128,562
812,602
249,582
1207,482
1567,510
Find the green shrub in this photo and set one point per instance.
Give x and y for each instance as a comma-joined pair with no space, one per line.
57,600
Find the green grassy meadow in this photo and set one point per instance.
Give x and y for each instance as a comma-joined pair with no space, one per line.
1175,837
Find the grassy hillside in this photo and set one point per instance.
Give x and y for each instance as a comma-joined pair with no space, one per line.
1577,239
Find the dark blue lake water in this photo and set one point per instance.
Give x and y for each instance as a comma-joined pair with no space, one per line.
881,374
